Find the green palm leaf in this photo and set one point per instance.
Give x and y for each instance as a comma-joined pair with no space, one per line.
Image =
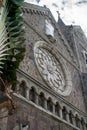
11,39
3,40
18,2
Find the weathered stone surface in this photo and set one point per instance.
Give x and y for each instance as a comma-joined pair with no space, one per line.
66,46
35,119
37,33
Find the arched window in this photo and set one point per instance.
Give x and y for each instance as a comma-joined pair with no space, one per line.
64,113
22,88
82,123
50,105
71,117
77,121
57,109
41,99
32,94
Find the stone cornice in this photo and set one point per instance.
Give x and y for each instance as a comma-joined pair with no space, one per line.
34,9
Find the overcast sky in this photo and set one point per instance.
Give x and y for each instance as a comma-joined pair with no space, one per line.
71,11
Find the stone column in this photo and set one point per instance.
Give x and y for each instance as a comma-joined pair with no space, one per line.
53,108
45,103
78,123
67,117
73,119
36,101
80,126
27,93
60,113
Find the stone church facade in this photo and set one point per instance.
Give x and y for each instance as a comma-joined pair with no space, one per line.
52,78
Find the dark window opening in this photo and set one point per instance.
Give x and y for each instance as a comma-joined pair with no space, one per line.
82,123
41,100
64,113
50,105
32,95
57,109
77,121
71,117
86,57
22,88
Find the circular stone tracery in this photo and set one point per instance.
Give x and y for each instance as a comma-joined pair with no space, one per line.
50,69
55,73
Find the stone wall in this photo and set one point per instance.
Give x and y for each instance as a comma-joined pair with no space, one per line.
28,114
35,31
39,106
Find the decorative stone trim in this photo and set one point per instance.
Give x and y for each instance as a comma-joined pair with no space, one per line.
33,11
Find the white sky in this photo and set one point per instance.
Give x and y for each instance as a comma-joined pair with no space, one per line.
71,11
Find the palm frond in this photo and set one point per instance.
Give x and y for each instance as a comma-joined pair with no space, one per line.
3,39
11,39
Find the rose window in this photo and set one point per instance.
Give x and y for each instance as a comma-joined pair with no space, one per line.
50,69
